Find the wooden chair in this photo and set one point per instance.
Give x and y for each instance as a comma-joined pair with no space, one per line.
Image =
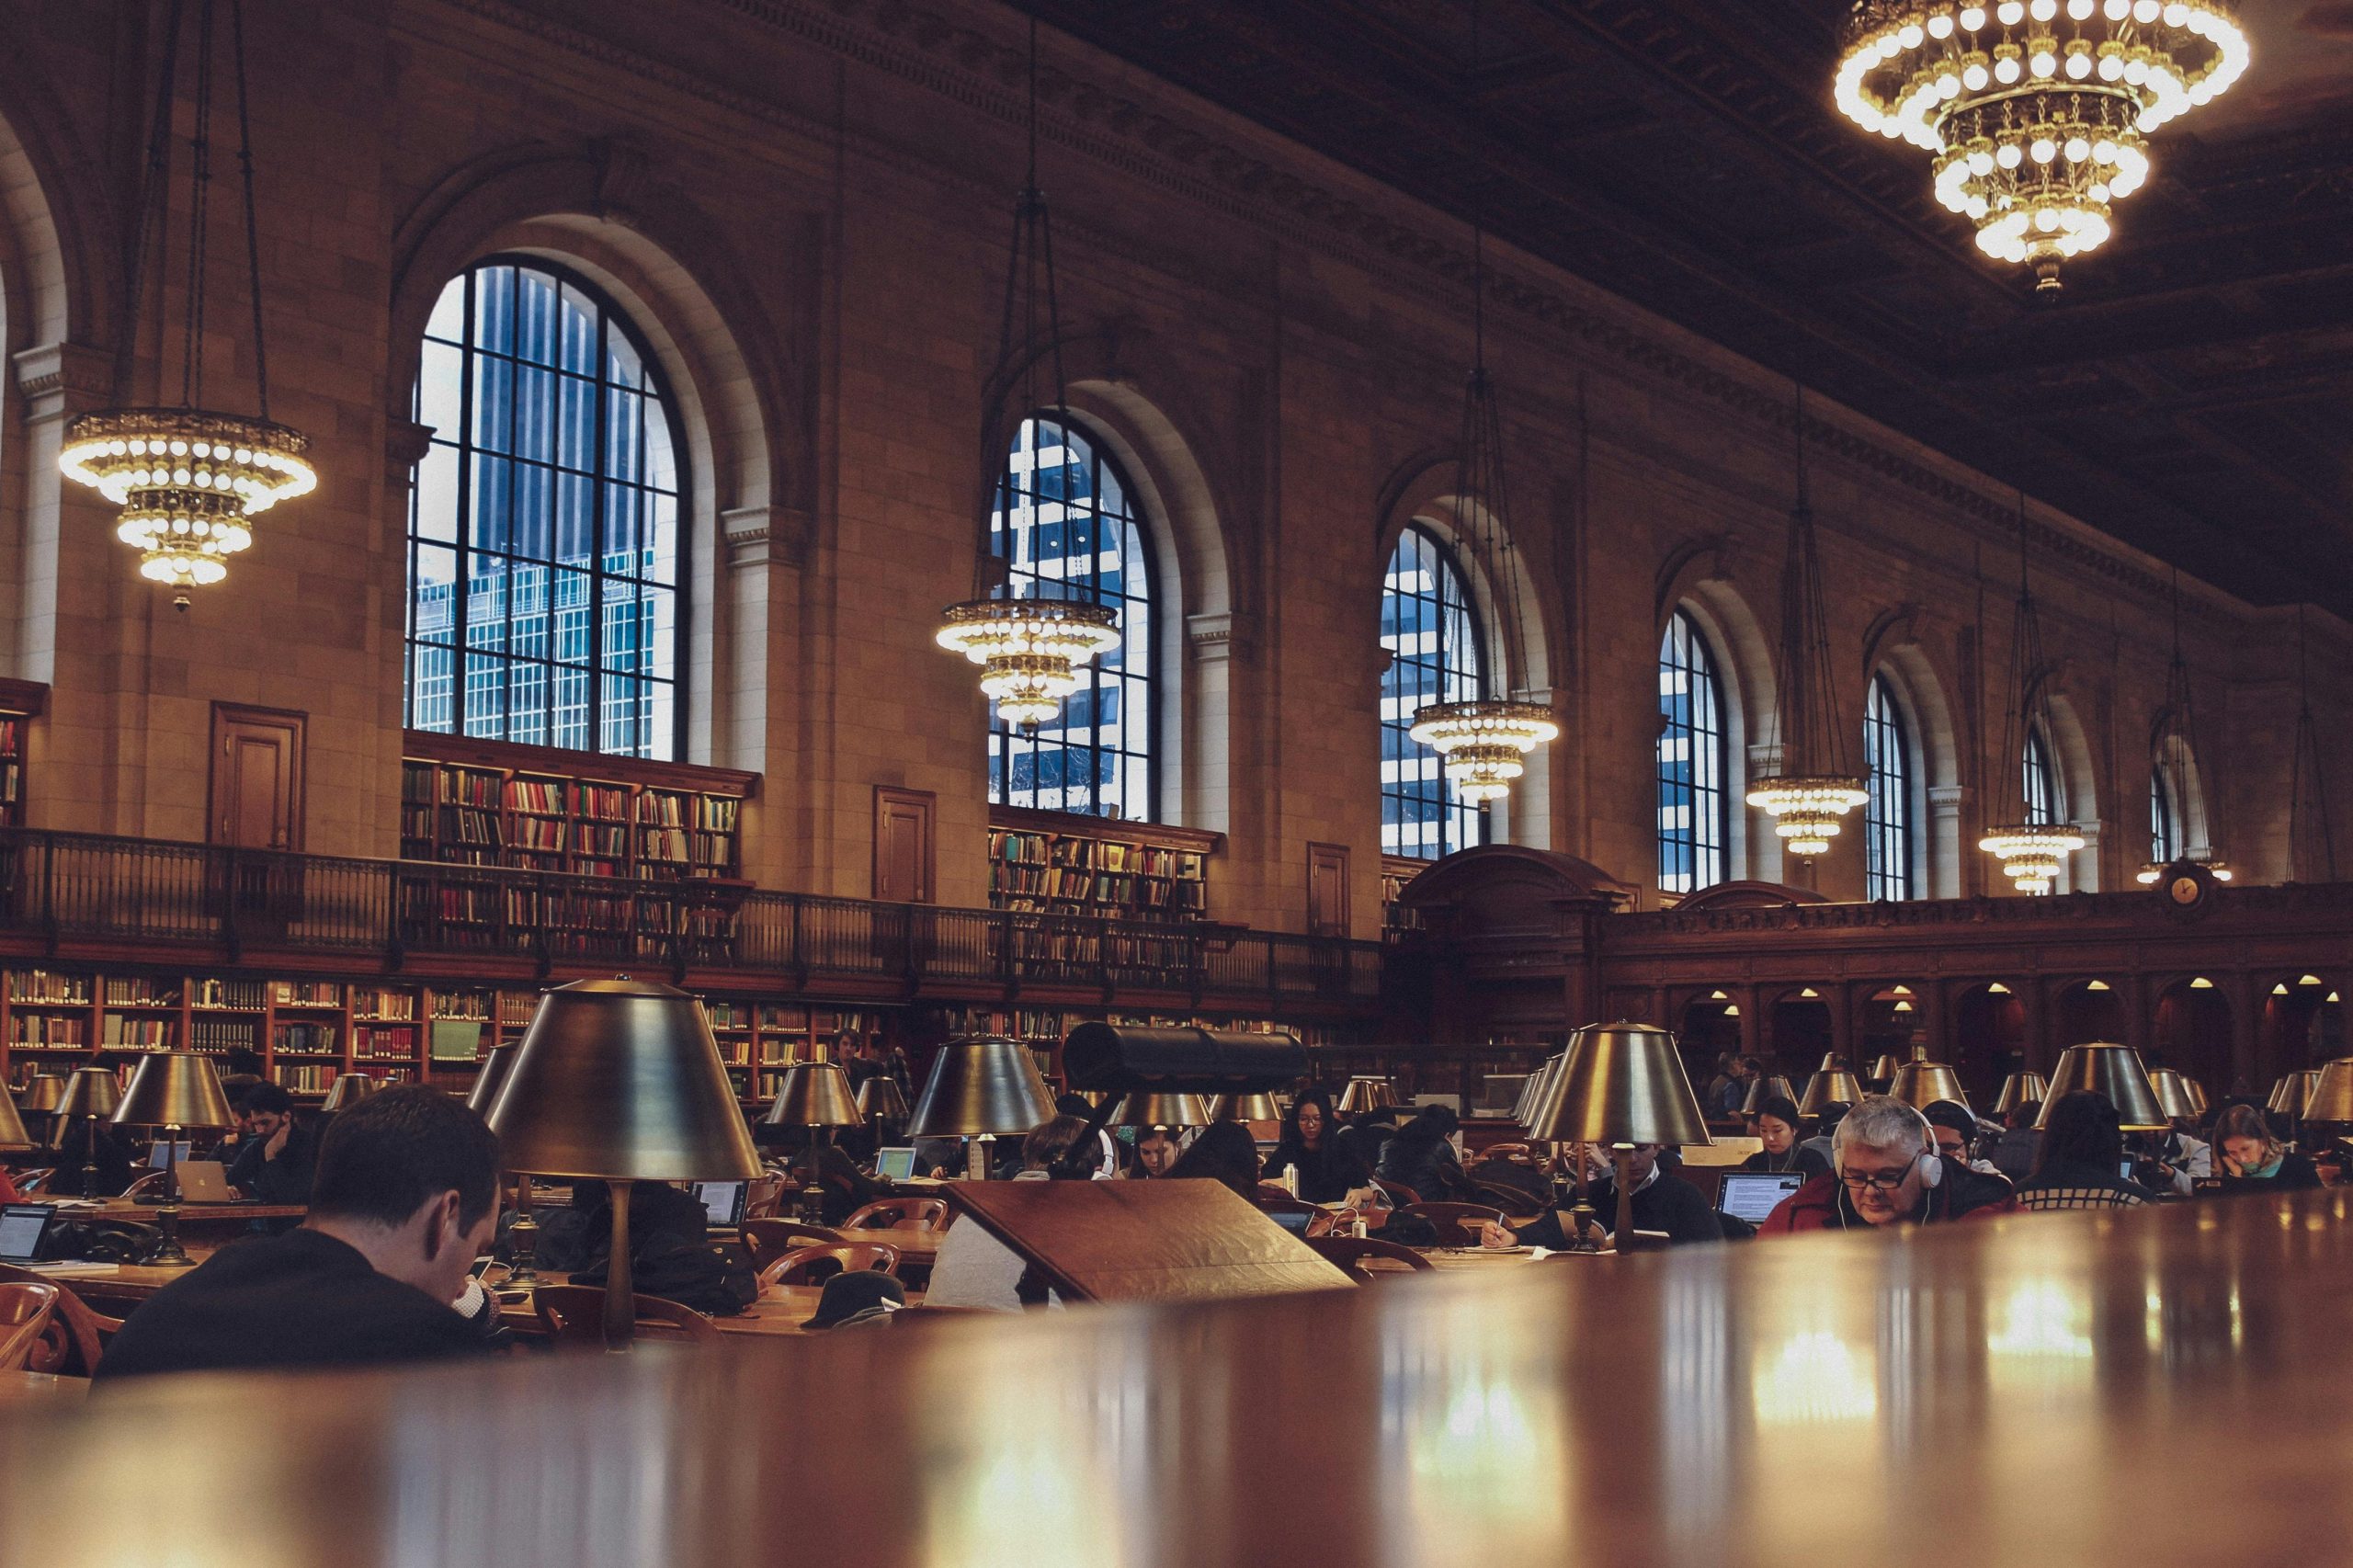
25,1312
1400,1195
931,1213
814,1265
574,1314
151,1182
767,1239
761,1199
1464,1217
75,1338
1352,1255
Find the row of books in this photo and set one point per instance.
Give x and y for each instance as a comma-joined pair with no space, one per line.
138,990
317,1040
1080,851
217,1036
135,1033
307,994
40,1029
238,995
377,1044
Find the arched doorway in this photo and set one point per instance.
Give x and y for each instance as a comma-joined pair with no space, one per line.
1892,1023
1988,1038
2087,1011
2302,1022
1710,1027
2193,1032
1797,1033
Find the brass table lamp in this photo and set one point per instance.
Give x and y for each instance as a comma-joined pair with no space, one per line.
1244,1108
2174,1097
41,1095
879,1101
1620,1084
490,1079
13,1136
815,1095
1922,1084
523,1236
1362,1095
981,1087
92,1093
2330,1103
1531,1093
1763,1088
620,1081
2287,1095
2112,1069
2022,1089
348,1090
1160,1110
1828,1087
1883,1070
176,1091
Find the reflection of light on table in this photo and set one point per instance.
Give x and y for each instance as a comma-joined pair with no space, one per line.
1815,1378
2042,1319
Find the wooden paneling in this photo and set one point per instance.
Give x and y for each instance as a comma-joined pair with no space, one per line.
1328,890
904,855
257,780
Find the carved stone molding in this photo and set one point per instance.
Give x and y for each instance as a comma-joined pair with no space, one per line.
765,536
58,379
1211,637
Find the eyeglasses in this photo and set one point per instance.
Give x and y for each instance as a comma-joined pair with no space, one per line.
1879,1181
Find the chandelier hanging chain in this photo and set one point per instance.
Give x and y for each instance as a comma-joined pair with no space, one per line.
253,225
2032,850
2300,807
199,157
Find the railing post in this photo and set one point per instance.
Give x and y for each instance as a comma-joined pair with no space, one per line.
233,929
49,888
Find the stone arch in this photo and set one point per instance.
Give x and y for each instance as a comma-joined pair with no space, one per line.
2071,758
591,208
1744,664
1928,715
1515,624
2172,758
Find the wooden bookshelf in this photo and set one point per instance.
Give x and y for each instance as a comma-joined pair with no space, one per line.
1397,873
536,808
1055,863
21,701
1042,1029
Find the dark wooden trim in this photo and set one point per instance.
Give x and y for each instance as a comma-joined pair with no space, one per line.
297,781
1075,825
595,767
27,697
926,803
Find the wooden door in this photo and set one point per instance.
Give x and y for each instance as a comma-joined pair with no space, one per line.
902,851
1328,890
256,794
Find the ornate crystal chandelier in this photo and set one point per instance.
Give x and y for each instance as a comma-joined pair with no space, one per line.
2036,111
1030,650
190,479
2031,851
1483,740
1814,791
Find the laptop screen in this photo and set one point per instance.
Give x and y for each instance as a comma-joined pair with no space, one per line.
1752,1195
2129,1166
162,1152
898,1164
21,1226
722,1201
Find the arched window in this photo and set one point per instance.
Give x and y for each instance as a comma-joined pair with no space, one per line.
1693,805
1887,814
2164,822
2043,804
544,537
1435,656
1066,524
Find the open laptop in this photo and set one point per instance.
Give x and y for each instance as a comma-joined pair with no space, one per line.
723,1202
205,1181
159,1155
1752,1195
895,1163
22,1226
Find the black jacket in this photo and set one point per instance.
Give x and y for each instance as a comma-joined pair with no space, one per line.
1428,1166
1669,1204
2295,1173
1325,1174
284,1181
300,1300
1800,1158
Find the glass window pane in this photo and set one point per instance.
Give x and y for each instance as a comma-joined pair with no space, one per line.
441,388
1435,656
448,321
433,495
1693,803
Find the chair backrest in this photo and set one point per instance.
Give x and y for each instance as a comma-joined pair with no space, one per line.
1353,1254
151,1182
1464,1217
1399,1193
25,1310
814,1265
931,1213
760,1202
767,1239
76,1336
574,1314
30,1182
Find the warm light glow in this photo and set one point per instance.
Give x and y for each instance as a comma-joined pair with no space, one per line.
1716,996
188,482
1806,812
1030,651
2031,852
2038,172
1482,743
2095,984
2280,989
2308,979
2202,984
1903,1006
1997,989
1900,991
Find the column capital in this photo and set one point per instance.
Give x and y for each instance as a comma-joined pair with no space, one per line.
1211,636
58,380
765,536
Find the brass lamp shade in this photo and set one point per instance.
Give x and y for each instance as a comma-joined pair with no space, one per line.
2287,1095
1764,1089
979,1085
1828,1087
2173,1093
92,1091
1244,1108
2196,1093
1832,1062
621,1080
349,1089
1619,1083
43,1094
12,1127
490,1079
1922,1084
814,1094
2112,1069
1160,1110
1883,1070
1539,1085
1366,1094
2022,1089
2330,1101
879,1099
176,1088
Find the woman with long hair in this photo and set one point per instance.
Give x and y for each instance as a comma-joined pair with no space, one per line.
1328,1170
2250,1156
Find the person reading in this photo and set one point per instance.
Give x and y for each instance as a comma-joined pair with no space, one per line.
275,1156
1886,1171
405,1199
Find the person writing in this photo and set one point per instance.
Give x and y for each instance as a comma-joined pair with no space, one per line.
405,1199
1777,1128
276,1157
1884,1172
1662,1203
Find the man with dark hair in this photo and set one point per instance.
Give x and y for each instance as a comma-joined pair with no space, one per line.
406,1198
275,1156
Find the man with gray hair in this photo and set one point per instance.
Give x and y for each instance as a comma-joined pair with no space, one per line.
1885,1171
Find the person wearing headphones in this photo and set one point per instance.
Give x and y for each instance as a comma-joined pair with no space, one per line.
1885,1171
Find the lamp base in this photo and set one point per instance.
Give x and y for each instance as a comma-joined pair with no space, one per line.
168,1252
621,1287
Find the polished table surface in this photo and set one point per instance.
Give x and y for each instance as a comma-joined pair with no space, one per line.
2165,1385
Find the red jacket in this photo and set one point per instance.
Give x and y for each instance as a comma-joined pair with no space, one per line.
1962,1194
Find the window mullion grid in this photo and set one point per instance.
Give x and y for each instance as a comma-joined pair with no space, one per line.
461,584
